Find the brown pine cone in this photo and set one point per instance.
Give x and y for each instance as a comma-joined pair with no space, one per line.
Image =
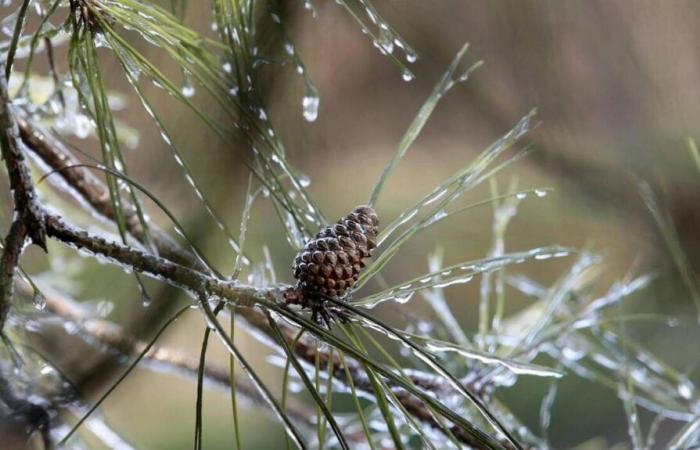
330,263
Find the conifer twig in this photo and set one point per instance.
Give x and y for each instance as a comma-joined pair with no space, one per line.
28,220
190,278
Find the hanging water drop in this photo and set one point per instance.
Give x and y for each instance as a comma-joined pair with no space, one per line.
100,41
145,298
385,41
310,104
685,389
187,88
289,48
407,75
39,300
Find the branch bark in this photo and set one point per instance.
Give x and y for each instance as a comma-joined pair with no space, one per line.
24,196
28,217
8,267
92,191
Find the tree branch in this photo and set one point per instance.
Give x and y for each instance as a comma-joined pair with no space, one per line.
56,156
24,196
28,217
92,191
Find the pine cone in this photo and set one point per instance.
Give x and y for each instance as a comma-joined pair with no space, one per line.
330,263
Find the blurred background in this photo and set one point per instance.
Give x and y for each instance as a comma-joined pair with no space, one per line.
615,84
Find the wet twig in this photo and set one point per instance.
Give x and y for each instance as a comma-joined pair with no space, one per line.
26,206
28,216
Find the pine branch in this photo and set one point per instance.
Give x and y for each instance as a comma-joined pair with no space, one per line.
24,196
28,215
91,189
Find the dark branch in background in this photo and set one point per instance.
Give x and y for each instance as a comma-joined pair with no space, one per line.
91,189
174,361
24,412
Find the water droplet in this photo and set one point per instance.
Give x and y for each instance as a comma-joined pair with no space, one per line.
685,389
188,90
505,379
82,126
407,75
425,327
572,354
39,301
104,308
310,105
386,39
145,298
100,41
541,192
289,48
521,195
70,327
